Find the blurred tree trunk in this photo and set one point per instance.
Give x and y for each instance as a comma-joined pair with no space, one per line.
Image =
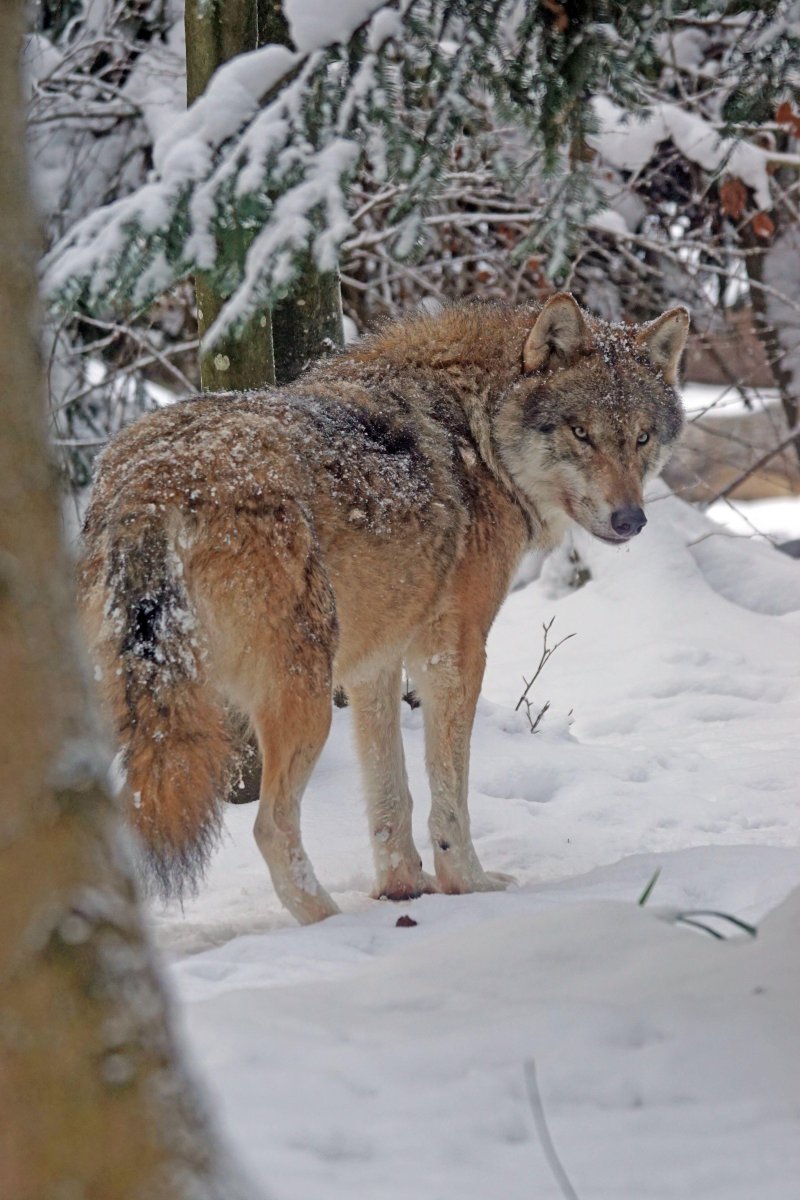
775,323
214,34
308,322
94,1102
273,28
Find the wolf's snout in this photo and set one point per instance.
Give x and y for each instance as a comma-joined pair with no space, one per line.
628,521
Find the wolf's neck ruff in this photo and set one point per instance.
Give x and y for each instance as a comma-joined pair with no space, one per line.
242,551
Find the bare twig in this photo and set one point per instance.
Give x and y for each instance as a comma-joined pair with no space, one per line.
791,437
547,654
535,723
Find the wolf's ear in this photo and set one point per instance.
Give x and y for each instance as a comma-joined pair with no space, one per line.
664,340
560,327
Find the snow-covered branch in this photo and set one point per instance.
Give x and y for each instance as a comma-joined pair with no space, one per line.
272,147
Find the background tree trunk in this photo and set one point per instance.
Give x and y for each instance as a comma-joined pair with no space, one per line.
308,322
779,337
273,28
216,32
93,1099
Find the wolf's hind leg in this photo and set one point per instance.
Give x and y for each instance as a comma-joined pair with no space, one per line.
274,637
376,709
291,733
448,674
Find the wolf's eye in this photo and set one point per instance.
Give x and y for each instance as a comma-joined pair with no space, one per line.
642,438
580,433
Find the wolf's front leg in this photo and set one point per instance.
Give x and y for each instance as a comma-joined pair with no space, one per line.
449,682
376,708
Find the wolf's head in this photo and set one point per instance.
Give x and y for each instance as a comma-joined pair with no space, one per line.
593,414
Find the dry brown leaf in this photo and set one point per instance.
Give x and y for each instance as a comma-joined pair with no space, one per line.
763,225
733,197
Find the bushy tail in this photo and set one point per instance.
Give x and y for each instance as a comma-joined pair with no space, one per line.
172,729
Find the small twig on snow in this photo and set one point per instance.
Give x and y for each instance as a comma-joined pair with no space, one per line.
547,654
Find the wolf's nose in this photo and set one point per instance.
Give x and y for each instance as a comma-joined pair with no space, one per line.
628,521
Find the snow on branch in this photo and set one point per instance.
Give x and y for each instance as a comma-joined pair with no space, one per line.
630,144
242,155
260,170
317,23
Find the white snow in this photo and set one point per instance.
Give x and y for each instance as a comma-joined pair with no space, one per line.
237,132
317,23
358,1059
776,520
608,221
629,144
726,400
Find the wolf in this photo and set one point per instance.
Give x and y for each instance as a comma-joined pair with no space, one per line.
251,551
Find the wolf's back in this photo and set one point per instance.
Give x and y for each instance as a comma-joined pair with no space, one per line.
151,657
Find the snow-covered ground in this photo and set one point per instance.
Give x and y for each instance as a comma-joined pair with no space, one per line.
359,1059
726,400
774,519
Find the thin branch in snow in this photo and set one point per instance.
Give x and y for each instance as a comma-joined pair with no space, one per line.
547,654
540,1121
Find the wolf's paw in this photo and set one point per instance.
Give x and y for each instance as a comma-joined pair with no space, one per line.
308,910
483,881
406,887
497,881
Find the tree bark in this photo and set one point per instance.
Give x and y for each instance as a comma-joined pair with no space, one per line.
94,1101
273,28
308,322
780,343
216,32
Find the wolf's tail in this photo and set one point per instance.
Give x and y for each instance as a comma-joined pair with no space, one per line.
176,746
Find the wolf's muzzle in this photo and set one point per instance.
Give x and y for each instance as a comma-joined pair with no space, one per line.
628,521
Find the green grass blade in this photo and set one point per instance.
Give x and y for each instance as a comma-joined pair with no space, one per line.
710,912
645,896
